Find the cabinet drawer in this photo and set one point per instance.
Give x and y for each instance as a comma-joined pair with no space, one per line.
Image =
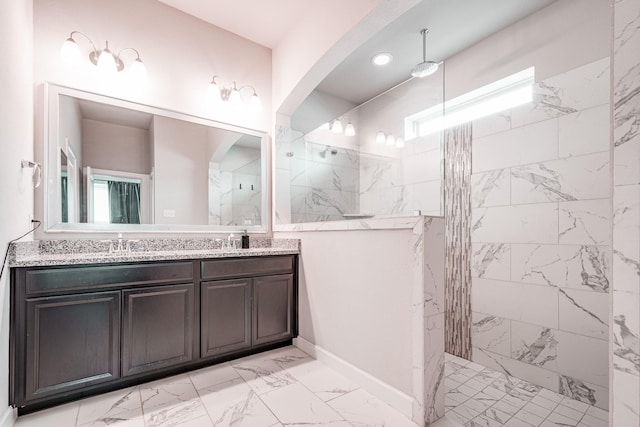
96,277
246,267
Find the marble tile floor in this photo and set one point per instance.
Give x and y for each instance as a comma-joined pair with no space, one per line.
286,387
480,397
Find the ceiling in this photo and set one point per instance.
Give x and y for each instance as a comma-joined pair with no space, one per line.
91,110
453,26
263,22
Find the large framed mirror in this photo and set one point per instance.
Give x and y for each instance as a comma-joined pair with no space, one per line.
114,165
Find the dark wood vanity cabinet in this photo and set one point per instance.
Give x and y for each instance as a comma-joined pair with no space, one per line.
226,316
272,313
71,342
157,327
82,330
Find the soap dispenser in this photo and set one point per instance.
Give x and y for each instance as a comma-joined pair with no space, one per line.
245,240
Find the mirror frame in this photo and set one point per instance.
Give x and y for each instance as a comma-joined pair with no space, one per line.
52,169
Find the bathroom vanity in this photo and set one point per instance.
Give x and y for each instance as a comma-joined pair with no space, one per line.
80,328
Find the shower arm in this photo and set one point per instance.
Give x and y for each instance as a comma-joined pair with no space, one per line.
424,43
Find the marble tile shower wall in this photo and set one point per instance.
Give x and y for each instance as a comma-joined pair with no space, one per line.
234,198
408,183
324,186
540,237
625,374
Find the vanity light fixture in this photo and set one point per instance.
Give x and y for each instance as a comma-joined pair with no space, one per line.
349,130
336,126
218,92
382,58
389,140
104,59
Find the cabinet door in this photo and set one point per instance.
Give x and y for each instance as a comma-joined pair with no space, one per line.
226,316
157,328
72,341
272,308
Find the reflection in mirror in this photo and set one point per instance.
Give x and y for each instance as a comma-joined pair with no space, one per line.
64,192
127,165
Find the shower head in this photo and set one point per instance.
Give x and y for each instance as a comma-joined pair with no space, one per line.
425,68
329,149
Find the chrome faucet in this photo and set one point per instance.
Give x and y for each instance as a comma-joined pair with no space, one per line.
121,246
230,243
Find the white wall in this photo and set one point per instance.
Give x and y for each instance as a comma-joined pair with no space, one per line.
358,313
180,63
16,136
180,162
115,147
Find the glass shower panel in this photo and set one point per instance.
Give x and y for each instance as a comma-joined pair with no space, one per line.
384,170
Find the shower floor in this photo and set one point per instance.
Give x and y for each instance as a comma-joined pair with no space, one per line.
478,396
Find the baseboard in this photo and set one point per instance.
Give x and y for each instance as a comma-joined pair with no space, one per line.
8,419
385,392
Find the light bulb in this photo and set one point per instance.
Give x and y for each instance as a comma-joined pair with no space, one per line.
235,99
138,71
255,106
336,127
349,130
70,52
382,58
106,62
399,142
380,138
390,140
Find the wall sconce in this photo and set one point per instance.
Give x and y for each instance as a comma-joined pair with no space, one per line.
217,92
336,127
389,140
104,59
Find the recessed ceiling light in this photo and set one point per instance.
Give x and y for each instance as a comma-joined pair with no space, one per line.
382,58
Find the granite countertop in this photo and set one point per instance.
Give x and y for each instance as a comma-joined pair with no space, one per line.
70,252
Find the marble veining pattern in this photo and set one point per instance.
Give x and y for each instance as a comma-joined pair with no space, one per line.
541,238
568,266
491,333
625,312
491,188
218,396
